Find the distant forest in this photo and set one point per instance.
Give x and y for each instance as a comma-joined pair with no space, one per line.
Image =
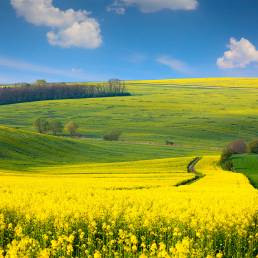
37,92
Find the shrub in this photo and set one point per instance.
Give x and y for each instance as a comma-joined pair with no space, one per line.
112,136
253,146
225,161
169,142
235,147
238,147
71,128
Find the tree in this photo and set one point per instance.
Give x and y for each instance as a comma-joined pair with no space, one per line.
253,146
71,128
36,92
115,83
235,147
41,125
112,136
238,147
40,82
225,160
56,126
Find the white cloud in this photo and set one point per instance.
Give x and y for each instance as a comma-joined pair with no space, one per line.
174,64
25,66
150,6
137,58
21,70
69,28
117,8
240,54
34,68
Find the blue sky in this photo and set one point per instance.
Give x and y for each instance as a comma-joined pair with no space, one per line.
84,40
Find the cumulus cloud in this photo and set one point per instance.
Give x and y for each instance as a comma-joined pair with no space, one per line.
174,64
240,54
69,28
150,6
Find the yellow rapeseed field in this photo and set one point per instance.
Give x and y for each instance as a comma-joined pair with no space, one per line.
80,216
203,82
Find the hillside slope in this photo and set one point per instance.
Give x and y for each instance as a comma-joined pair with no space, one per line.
21,149
200,116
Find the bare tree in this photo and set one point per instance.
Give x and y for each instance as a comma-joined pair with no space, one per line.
235,147
56,126
41,125
115,83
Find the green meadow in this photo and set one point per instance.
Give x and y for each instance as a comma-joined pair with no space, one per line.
199,118
247,164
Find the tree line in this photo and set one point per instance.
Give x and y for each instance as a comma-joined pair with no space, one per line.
37,92
43,125
56,127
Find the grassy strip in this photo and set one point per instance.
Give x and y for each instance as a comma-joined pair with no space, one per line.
248,165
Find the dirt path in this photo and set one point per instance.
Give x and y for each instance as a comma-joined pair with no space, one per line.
191,169
192,164
132,142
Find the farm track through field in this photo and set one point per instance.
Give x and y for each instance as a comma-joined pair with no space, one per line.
191,169
130,142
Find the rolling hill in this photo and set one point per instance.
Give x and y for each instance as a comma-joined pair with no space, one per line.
199,116
136,197
21,149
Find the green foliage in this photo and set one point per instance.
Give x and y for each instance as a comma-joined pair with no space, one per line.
169,142
55,126
71,127
253,146
225,158
113,135
41,125
41,82
41,92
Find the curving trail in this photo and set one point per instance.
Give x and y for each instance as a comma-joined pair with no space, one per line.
191,169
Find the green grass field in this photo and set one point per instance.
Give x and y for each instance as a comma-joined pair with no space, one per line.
247,164
199,120
25,150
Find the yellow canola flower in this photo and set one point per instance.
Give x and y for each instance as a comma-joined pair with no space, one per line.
79,216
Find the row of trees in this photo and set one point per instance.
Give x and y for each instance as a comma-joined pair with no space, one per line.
237,147
40,91
56,127
43,125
